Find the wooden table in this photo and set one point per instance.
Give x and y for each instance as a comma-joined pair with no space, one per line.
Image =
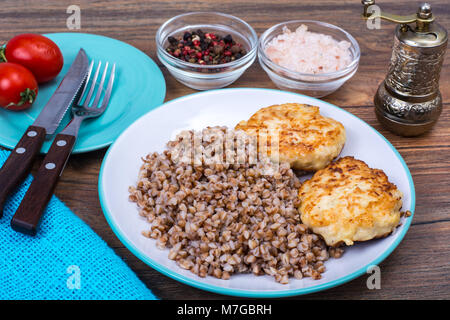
419,267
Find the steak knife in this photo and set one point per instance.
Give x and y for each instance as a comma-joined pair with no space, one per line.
20,161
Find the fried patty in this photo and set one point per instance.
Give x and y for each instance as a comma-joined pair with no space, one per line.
348,201
307,140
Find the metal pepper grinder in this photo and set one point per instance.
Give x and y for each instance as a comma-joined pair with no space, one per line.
408,102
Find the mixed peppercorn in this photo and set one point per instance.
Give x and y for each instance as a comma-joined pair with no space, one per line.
205,48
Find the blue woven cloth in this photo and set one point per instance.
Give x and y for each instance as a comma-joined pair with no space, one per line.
65,260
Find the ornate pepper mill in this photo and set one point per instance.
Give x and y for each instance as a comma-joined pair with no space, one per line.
408,101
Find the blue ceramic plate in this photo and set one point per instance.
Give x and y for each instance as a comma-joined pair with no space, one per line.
227,107
139,88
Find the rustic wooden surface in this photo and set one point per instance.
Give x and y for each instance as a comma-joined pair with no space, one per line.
419,267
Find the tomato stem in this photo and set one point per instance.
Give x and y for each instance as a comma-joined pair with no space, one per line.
2,54
27,96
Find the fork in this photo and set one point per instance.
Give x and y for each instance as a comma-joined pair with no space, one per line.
27,216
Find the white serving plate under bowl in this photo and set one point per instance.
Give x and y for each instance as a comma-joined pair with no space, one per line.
227,107
315,85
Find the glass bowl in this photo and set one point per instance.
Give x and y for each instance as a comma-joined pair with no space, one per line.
205,77
315,85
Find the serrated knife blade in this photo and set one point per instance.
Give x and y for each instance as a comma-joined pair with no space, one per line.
53,112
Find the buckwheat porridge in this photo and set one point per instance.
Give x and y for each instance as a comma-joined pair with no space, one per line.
232,211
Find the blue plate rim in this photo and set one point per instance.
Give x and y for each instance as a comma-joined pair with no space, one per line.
99,146
250,293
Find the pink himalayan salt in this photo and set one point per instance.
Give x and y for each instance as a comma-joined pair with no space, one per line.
308,52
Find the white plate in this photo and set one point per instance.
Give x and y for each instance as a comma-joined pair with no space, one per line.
227,107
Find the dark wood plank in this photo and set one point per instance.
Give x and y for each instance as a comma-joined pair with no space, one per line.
419,266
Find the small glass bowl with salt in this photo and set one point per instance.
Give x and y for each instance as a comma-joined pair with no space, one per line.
311,57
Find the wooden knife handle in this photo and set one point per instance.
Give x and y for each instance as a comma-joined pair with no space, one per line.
20,161
28,215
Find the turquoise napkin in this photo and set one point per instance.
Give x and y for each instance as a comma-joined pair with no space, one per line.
65,260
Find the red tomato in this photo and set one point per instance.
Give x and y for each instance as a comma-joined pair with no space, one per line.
37,53
18,87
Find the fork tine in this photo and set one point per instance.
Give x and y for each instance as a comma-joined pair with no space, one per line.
100,87
86,83
91,90
109,88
